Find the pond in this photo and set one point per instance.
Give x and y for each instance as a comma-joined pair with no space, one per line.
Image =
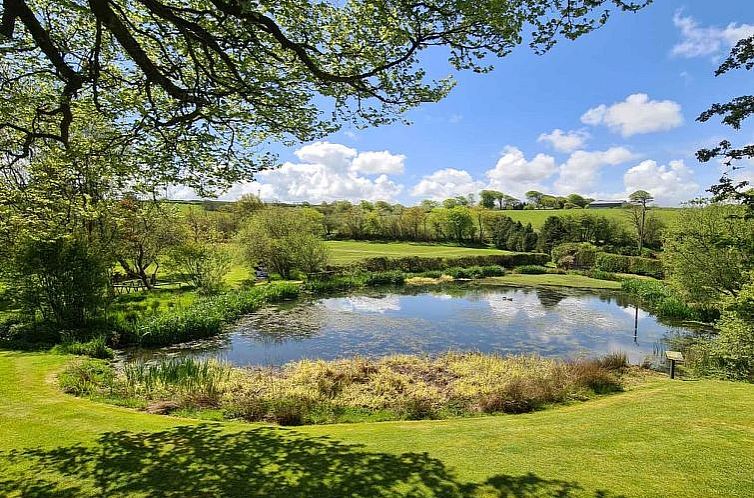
551,322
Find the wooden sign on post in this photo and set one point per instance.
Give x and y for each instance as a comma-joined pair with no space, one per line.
673,356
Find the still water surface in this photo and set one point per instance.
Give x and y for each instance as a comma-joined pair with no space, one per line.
507,320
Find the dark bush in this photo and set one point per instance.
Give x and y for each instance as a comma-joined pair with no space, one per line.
64,280
574,255
532,270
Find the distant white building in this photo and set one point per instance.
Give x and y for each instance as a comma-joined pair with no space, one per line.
607,204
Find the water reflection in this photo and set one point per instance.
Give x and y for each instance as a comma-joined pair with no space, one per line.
549,322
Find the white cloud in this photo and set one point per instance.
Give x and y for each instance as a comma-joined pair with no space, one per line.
445,183
581,172
636,115
565,141
670,184
698,41
336,156
327,172
514,174
378,162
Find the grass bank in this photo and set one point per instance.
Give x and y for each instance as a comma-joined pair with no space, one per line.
537,217
661,439
345,252
569,280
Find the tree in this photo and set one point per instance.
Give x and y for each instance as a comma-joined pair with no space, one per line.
709,248
65,280
284,240
534,197
640,201
733,114
207,81
460,223
487,198
202,264
145,231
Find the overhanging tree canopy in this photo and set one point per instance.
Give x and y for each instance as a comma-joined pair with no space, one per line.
198,85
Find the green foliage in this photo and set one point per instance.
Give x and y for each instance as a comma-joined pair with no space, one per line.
473,272
203,318
198,381
203,264
617,263
731,354
532,269
86,377
416,264
709,249
65,280
574,255
660,298
513,236
94,348
285,240
145,231
584,227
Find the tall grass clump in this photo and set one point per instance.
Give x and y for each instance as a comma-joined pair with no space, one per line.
411,387
87,376
396,387
204,317
200,382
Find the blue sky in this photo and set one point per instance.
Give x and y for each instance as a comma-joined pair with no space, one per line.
492,131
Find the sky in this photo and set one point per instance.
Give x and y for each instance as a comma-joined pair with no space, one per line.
605,115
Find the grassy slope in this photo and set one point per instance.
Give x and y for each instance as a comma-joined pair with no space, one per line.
576,281
349,251
662,439
538,217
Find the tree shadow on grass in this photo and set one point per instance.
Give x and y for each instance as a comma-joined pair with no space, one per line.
205,460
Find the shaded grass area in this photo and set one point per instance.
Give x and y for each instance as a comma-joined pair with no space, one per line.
662,439
349,251
570,280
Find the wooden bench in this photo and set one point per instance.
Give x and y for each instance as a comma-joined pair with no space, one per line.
129,285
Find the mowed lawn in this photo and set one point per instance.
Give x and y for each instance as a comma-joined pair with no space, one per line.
349,251
537,217
662,439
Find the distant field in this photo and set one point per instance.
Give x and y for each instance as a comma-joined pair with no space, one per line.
350,251
537,217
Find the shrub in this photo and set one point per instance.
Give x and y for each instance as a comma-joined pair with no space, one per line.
64,280
87,377
203,265
474,272
629,264
574,255
415,264
598,275
660,298
95,348
532,269
731,354
385,278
